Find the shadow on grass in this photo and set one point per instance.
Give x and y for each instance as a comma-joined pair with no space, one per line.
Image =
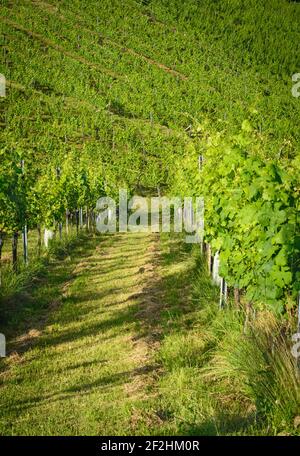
29,308
121,319
100,385
162,309
220,425
177,299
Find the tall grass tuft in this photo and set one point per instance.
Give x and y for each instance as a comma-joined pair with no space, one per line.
238,379
258,366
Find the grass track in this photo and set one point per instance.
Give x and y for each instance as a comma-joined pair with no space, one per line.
112,339
88,364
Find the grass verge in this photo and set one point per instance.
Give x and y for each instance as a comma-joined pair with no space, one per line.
219,379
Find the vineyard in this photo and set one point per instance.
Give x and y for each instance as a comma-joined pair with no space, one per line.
142,333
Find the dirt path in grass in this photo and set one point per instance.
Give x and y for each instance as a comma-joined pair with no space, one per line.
89,367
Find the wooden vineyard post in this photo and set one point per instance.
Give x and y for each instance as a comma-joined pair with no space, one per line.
201,228
25,244
88,221
67,221
15,250
211,264
39,244
60,226
86,218
58,174
92,220
77,221
81,218
24,230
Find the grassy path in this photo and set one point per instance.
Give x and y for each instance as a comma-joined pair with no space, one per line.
118,338
88,364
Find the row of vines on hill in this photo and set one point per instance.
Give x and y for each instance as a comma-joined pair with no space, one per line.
252,211
65,137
